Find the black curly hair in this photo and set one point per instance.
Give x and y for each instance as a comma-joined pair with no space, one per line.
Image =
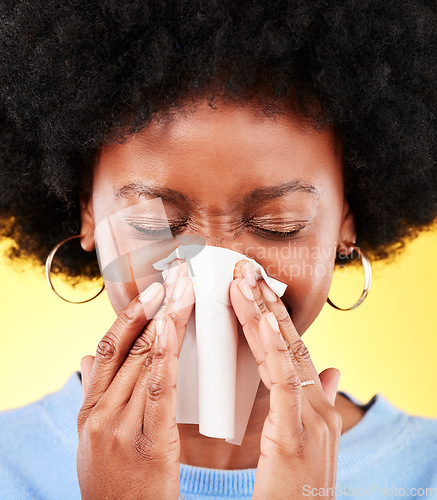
76,74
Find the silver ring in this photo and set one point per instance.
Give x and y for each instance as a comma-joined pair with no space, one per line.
307,382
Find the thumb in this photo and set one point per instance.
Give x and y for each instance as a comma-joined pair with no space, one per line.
330,378
86,365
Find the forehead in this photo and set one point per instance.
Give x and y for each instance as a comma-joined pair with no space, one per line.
235,147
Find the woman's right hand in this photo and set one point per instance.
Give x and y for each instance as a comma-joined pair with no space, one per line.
128,437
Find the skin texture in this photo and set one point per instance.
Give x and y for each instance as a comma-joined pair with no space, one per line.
215,158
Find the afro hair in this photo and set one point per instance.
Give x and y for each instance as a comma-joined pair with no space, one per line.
76,74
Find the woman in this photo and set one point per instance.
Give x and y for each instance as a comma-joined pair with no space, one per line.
260,126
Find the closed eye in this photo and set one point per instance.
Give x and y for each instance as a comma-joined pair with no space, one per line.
267,233
162,229
157,229
272,228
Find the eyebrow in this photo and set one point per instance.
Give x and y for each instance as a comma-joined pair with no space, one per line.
270,192
255,196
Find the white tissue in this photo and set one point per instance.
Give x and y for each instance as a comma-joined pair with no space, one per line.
217,376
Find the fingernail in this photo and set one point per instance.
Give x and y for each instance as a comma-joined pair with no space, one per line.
173,274
245,289
268,293
273,322
150,293
249,273
179,288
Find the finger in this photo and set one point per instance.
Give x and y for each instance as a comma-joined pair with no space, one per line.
276,306
249,305
249,316
250,286
238,269
161,391
181,304
156,383
120,390
177,268
176,311
287,400
86,364
297,348
117,342
330,378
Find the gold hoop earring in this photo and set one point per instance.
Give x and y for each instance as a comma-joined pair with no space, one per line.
367,279
48,268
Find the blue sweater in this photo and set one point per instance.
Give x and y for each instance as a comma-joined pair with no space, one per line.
386,449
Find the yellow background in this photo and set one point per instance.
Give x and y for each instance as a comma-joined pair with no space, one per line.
386,345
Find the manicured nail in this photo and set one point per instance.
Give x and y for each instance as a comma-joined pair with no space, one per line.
267,292
180,288
173,274
150,293
249,273
273,322
245,289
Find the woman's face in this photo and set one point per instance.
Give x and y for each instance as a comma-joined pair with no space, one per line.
240,180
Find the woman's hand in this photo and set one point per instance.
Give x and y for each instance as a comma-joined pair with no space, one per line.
300,438
128,437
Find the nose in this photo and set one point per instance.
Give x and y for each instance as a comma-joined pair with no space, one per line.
216,231
217,241
199,239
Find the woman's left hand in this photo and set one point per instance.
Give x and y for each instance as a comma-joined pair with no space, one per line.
301,434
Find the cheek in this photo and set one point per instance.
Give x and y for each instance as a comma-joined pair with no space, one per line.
121,294
306,295
307,270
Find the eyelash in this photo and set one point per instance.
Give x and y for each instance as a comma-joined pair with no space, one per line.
158,232
176,228
266,233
